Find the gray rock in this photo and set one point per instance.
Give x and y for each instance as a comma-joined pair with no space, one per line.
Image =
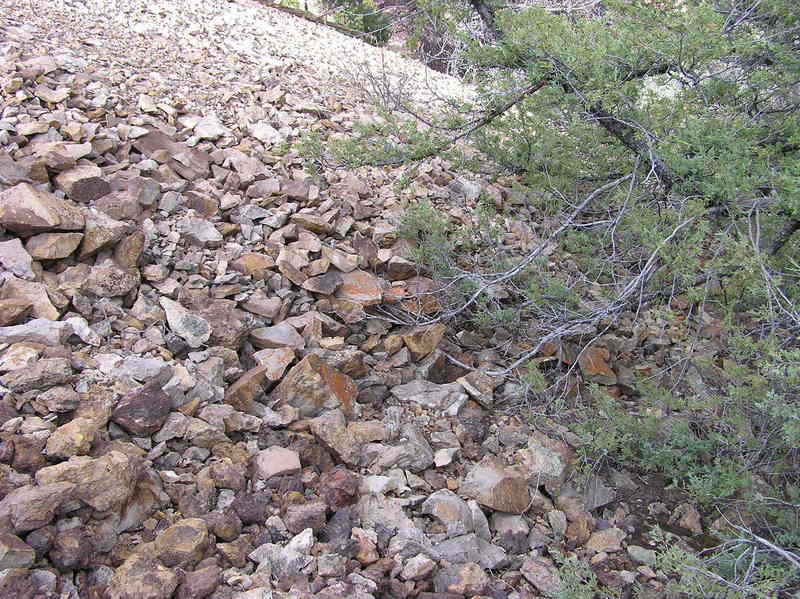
282,561
494,485
210,128
16,260
40,375
429,395
465,580
451,510
192,328
280,335
14,552
414,453
479,521
542,574
200,232
511,532
471,548
144,369
642,555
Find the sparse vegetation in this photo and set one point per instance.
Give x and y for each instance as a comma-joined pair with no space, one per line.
656,152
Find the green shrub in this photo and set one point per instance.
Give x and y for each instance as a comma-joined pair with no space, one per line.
365,16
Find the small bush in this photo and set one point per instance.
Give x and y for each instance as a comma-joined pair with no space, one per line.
366,16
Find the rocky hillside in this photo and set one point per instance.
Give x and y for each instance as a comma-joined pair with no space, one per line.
200,397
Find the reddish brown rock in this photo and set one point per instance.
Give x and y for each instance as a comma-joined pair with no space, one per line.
421,341
593,361
35,293
119,205
183,543
53,246
26,210
83,183
491,484
189,163
142,577
200,583
349,311
465,580
343,261
14,310
400,269
311,515
326,284
275,461
101,231
361,287
251,384
144,410
296,190
28,507
291,272
259,303
338,487
312,386
229,325
312,222
103,483
252,264
542,574
72,549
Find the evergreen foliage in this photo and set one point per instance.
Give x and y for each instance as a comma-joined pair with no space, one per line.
679,121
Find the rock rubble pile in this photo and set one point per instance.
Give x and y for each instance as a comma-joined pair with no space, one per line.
198,401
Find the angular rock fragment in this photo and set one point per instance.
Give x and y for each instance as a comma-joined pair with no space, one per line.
183,543
141,577
103,483
275,461
494,485
451,510
464,580
83,183
30,507
16,260
430,395
423,340
26,210
542,574
42,374
282,335
143,411
100,232
15,553
311,386
361,287
39,330
53,246
36,293
194,329
14,310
